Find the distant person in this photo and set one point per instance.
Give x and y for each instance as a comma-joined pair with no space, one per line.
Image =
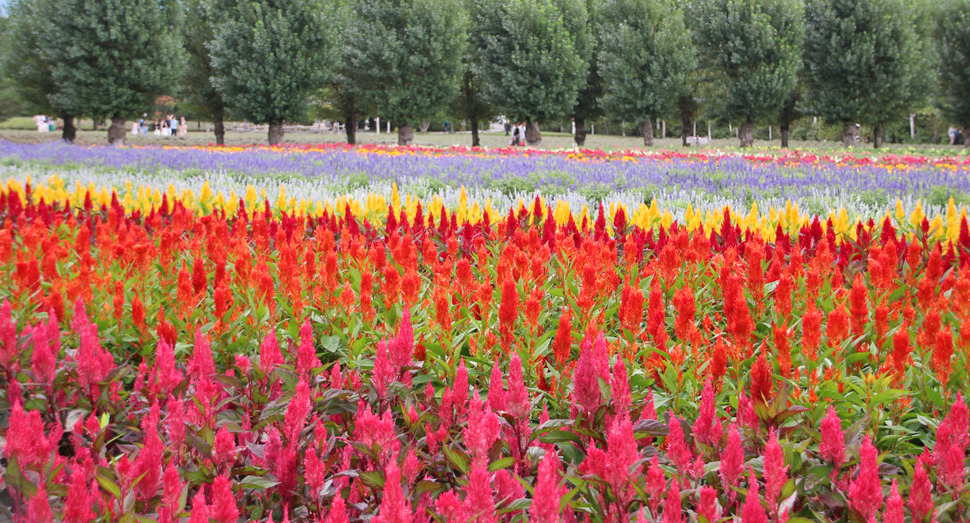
952,133
41,122
135,127
52,124
143,127
166,130
183,127
447,127
518,135
508,128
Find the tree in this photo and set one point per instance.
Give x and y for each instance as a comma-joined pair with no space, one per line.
953,44
110,58
583,25
28,65
753,47
200,94
530,64
645,60
408,54
268,55
859,55
471,103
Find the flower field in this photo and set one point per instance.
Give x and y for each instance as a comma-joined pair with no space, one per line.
202,350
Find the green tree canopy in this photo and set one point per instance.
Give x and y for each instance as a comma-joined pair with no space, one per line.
201,96
645,60
582,22
953,30
860,56
753,47
110,58
269,55
471,102
408,56
532,69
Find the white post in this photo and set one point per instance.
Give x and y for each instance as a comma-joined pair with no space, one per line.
730,127
377,121
769,133
695,132
663,133
592,129
708,131
388,127
574,127
912,126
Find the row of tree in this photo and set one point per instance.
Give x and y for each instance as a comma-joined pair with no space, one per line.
740,61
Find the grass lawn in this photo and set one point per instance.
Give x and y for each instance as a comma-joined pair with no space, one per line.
549,141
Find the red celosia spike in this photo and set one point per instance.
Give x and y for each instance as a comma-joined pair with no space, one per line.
865,491
518,398
77,508
942,354
762,382
677,450
338,510
224,448
901,350
394,507
620,385
656,484
306,359
707,508
224,509
707,426
199,275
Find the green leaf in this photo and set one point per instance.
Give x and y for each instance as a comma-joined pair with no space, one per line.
500,464
456,460
257,482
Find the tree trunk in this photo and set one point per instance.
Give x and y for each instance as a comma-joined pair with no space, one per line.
220,130
785,133
580,136
533,136
848,135
475,142
746,135
684,128
94,124
275,132
878,136
117,131
69,133
647,127
405,134
351,129
424,126
966,137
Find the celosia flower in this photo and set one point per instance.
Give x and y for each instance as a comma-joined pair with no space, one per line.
677,450
894,506
306,359
496,390
394,508
656,484
479,504
752,511
450,506
148,464
620,384
707,426
707,508
338,511
269,353
545,502
775,471
865,491
832,444
672,510
224,509
518,398
586,389
482,429
401,347
920,493
224,448
200,511
39,508
77,508
732,462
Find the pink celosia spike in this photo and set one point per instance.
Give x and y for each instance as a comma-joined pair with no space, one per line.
707,508
338,511
518,398
316,473
394,508
677,449
383,373
402,346
920,493
775,471
894,507
224,448
200,511
752,511
479,503
450,506
167,376
704,425
269,353
672,510
620,385
306,359
586,388
77,508
8,336
224,509
201,364
172,487
43,359
656,484
832,444
865,491
496,389
601,358
39,508
732,462
148,464
545,502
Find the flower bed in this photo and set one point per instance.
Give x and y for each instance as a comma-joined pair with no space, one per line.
188,362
